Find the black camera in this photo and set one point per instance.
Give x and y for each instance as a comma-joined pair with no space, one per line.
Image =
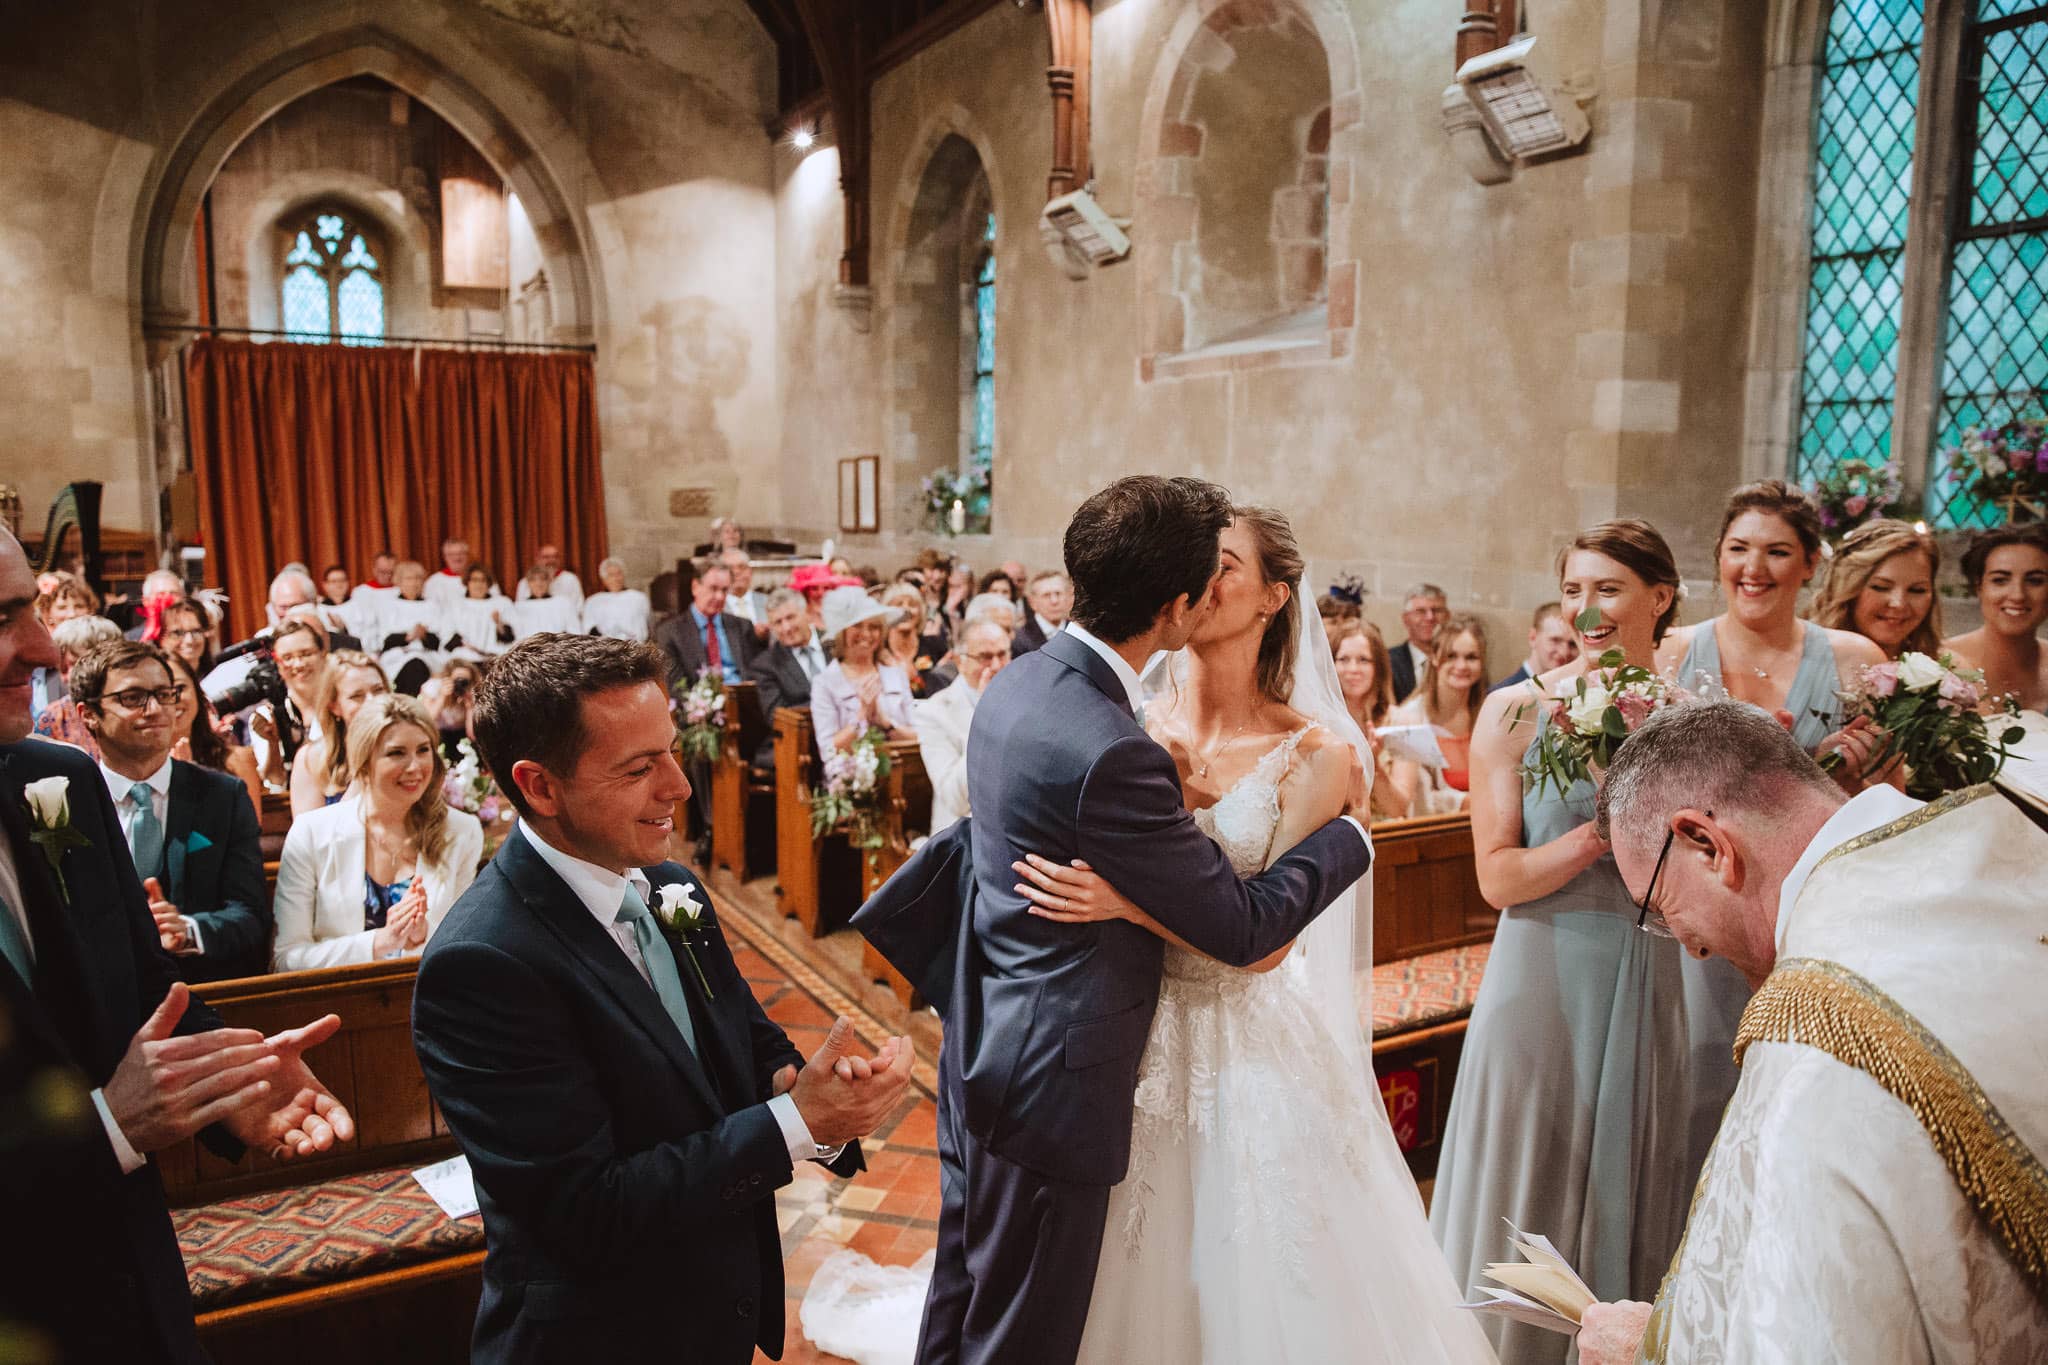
263,683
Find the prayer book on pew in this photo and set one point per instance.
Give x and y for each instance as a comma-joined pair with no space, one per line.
1415,743
1542,1291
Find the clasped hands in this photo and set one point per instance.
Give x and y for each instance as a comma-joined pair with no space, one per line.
842,1095
167,1088
405,924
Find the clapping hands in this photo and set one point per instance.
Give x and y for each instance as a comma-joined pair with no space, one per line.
405,927
170,925
843,1095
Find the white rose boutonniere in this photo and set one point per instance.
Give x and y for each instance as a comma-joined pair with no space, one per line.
678,907
49,815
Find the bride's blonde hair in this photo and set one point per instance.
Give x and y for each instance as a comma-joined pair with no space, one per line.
1279,562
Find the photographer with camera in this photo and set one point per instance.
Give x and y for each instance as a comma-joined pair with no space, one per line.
283,687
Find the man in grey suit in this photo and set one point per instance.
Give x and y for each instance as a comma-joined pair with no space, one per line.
1045,1022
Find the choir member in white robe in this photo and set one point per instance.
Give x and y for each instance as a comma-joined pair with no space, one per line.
1898,952
561,582
450,584
538,611
410,630
480,622
619,612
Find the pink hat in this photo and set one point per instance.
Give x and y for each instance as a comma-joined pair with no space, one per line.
816,578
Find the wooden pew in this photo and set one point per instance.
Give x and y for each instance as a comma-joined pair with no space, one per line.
817,880
906,812
338,1248
1426,887
735,791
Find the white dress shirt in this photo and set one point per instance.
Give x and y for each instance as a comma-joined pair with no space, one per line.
603,892
1419,657
1134,690
122,789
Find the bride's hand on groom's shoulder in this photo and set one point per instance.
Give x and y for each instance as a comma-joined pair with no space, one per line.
1072,893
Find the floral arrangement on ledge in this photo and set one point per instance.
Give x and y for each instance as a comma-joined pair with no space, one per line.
957,502
1856,491
851,795
469,786
1590,716
2005,466
700,716
1929,712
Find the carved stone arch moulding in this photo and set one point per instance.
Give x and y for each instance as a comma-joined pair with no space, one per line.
244,101
1170,148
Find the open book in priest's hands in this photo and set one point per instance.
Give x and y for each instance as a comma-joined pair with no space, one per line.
1543,1290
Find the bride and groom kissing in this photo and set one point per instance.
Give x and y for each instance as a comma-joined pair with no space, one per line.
1158,1133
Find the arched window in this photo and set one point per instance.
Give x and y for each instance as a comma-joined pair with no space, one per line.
1884,365
982,447
333,287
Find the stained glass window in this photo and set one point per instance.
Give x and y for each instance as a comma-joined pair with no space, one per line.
1994,363
981,453
333,287
1862,185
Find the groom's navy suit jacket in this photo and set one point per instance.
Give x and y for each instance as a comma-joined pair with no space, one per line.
1056,1016
92,1261
627,1186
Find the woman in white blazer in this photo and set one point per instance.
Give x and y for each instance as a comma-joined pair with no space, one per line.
372,875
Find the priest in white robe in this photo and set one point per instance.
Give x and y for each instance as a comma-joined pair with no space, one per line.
1876,1193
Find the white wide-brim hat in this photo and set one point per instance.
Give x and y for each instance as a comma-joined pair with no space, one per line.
846,607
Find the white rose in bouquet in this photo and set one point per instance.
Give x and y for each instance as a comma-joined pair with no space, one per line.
1917,671
1586,709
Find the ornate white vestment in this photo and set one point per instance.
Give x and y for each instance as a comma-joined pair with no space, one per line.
1828,1224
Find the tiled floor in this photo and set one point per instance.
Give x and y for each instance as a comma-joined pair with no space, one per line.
890,1211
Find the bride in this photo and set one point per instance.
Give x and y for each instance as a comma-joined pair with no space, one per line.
1268,1214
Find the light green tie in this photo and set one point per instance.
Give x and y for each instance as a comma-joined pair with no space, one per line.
145,832
14,943
661,963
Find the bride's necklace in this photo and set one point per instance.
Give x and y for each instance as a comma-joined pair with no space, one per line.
1203,770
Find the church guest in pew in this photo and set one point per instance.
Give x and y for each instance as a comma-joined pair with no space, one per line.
1447,697
706,636
1340,609
187,631
279,731
1369,696
67,600
540,611
619,612
1874,1190
335,587
742,600
129,1062
206,740
370,876
906,646
411,631
1880,584
192,833
627,1108
1423,608
998,583
448,697
943,721
783,672
2007,567
562,583
858,692
480,621
959,591
1047,602
321,773
61,719
1552,644
1569,1117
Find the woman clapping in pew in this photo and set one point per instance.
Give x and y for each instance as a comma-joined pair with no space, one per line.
370,876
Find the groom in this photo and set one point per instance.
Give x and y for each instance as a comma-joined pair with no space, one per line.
1048,1020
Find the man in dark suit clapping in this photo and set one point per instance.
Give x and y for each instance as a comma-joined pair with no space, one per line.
627,1108
120,1059
191,833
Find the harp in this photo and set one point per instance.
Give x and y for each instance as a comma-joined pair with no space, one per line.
77,508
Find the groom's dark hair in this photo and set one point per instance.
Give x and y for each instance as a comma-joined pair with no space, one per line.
1137,546
530,702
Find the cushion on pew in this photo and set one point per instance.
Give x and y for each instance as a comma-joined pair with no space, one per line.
1435,988
257,1246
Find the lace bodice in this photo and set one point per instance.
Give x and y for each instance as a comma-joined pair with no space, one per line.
1242,822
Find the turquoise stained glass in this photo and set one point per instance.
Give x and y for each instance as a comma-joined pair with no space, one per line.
982,449
1862,188
328,292
1995,356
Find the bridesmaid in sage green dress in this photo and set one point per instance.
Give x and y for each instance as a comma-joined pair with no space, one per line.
1570,1116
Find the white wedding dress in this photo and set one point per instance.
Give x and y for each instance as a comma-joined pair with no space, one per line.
1268,1217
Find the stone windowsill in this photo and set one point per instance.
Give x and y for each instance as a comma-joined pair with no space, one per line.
1296,339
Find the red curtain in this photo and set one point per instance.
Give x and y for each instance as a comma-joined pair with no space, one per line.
328,454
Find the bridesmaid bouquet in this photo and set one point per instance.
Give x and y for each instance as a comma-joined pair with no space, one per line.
1928,711
1590,716
701,711
851,794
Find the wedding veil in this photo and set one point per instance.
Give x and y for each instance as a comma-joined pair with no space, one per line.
1337,948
